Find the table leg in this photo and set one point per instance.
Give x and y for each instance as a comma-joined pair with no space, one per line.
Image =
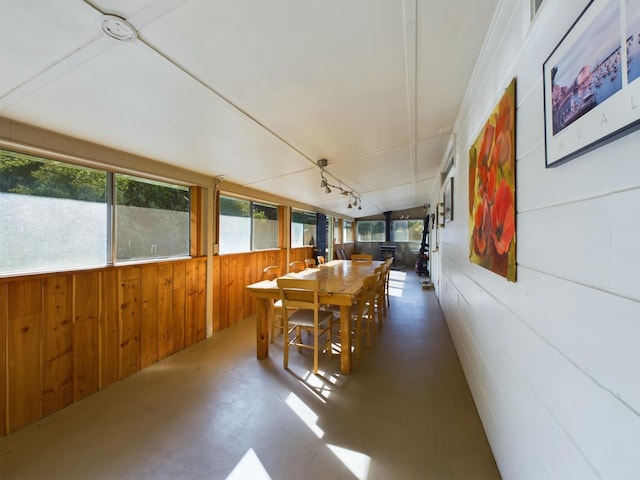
262,327
345,339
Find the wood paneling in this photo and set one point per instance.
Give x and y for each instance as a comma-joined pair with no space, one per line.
109,328
24,343
232,273
129,296
201,303
64,336
179,296
57,388
3,359
149,316
86,334
165,310
191,303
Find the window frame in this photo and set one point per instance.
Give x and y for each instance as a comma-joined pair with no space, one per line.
315,225
110,239
251,204
347,232
407,222
360,240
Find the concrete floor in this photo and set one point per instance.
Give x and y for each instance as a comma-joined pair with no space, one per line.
213,411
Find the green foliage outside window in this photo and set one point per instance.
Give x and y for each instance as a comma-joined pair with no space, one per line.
26,175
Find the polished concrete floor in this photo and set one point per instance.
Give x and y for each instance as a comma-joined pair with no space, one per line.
215,412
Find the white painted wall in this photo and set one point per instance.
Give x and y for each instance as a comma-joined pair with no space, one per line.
553,360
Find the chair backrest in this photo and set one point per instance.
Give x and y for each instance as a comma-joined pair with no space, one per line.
382,271
310,262
320,259
271,272
361,257
369,286
299,293
296,266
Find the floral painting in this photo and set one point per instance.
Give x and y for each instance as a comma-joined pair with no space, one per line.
492,189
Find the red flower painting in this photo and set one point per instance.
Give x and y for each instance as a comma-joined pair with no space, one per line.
492,210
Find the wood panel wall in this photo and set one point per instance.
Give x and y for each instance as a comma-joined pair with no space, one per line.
65,336
232,273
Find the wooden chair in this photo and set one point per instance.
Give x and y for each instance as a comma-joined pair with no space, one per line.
380,301
361,257
275,318
365,316
297,266
340,254
309,262
301,311
389,262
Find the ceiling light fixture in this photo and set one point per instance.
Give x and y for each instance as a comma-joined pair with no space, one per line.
354,198
118,28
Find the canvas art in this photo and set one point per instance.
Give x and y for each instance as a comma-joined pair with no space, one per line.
492,190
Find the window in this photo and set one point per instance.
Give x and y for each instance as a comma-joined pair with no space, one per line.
245,226
57,216
152,219
371,231
407,230
303,228
347,232
265,226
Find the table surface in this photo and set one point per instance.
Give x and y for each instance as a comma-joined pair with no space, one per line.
338,277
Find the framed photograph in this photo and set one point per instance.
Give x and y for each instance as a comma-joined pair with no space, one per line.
440,214
592,81
448,201
492,190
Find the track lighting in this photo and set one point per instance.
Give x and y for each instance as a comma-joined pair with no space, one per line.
354,199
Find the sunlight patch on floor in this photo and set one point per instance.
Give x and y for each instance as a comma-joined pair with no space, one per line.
357,463
396,283
320,384
249,466
305,414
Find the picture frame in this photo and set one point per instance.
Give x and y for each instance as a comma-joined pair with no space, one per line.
448,201
591,81
440,214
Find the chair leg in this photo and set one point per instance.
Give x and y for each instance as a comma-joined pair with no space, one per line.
299,338
358,336
285,338
272,320
316,349
368,331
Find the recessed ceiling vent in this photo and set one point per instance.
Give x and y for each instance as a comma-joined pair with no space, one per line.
118,28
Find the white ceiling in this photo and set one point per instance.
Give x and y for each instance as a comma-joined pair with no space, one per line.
256,91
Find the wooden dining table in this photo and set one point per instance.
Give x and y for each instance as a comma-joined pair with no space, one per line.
340,283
